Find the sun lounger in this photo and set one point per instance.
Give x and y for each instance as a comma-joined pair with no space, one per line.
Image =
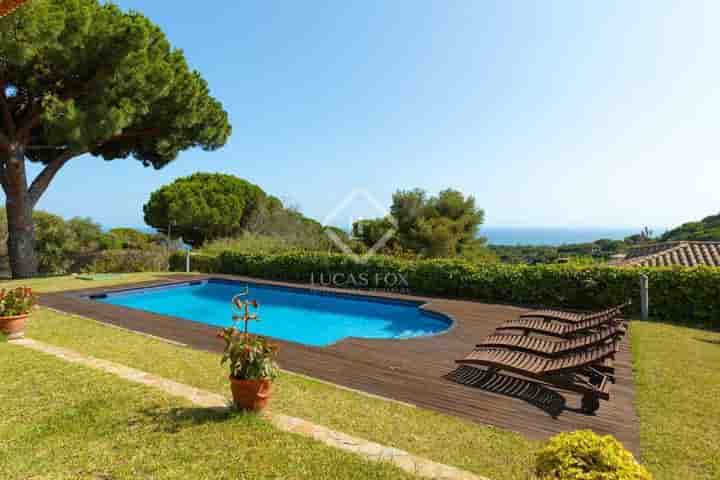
551,348
560,329
572,317
576,371
610,335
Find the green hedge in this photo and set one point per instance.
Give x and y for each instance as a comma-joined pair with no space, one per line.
678,294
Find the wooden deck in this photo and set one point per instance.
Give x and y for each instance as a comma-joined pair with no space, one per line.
418,371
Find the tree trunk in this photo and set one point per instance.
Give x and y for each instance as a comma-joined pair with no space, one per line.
21,229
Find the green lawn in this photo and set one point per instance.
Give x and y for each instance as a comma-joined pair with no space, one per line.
56,284
64,421
485,450
677,374
678,393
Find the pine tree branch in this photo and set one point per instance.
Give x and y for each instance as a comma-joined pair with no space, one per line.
101,74
147,132
31,148
41,182
32,119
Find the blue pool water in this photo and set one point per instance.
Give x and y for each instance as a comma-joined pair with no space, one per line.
289,314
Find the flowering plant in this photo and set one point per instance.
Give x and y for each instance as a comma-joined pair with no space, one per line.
250,357
17,301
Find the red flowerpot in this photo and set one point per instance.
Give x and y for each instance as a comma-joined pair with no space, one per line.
14,327
250,394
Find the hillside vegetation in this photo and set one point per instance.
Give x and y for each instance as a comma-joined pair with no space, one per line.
707,229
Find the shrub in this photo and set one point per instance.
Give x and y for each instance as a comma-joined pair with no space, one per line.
126,239
122,261
677,293
198,262
583,455
248,243
58,242
18,301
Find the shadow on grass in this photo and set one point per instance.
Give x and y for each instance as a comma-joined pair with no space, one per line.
176,419
707,340
533,393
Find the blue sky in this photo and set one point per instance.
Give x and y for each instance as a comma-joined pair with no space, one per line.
566,113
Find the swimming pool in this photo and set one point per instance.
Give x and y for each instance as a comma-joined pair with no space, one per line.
294,314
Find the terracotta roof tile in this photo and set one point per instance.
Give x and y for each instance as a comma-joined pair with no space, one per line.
9,6
689,254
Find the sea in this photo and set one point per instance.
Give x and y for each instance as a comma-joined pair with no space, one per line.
546,236
553,236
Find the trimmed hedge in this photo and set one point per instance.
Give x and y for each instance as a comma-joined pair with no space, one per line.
680,294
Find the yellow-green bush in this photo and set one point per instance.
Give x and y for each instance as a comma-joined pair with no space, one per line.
151,259
198,263
584,455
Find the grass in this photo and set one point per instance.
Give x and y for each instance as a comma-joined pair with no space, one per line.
62,420
481,449
677,396
677,375
67,282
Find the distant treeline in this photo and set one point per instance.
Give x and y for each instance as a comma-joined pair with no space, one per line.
80,244
215,212
597,251
707,229
218,213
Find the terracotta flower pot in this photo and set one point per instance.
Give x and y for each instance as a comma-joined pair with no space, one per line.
14,327
250,394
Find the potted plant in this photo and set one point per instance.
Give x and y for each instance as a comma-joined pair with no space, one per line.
251,359
15,307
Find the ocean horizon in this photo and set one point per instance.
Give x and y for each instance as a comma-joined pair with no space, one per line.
554,236
538,236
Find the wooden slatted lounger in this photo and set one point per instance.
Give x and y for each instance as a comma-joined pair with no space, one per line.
607,335
572,317
558,329
550,348
575,371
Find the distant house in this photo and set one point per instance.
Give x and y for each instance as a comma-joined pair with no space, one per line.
684,253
